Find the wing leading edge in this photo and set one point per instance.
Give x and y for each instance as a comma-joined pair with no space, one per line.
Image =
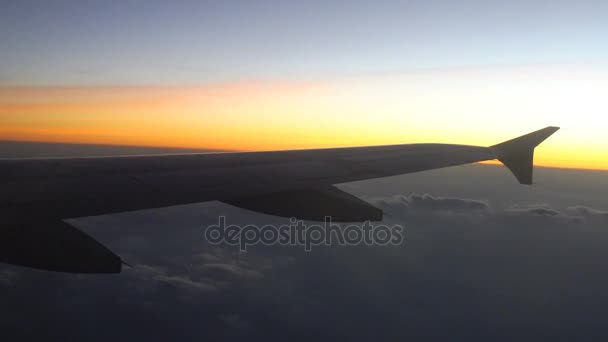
40,193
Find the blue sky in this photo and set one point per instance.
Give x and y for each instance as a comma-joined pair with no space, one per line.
195,42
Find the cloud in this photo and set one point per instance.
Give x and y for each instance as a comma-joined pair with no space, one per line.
472,264
409,206
233,270
150,273
209,271
150,281
207,257
535,209
415,203
186,282
428,202
587,211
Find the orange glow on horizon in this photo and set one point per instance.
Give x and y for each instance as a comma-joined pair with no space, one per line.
474,109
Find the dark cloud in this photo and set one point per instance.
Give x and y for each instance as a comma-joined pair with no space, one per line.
235,322
8,277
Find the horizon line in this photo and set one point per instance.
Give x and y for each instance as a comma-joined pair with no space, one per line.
487,162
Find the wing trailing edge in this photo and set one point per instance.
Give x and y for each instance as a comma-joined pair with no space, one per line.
55,246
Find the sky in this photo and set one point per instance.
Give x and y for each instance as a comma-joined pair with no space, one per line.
260,75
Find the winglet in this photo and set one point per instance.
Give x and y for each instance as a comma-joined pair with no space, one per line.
518,154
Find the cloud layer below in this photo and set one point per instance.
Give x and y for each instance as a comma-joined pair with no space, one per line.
472,267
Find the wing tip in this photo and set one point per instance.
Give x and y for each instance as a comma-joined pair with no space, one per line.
518,154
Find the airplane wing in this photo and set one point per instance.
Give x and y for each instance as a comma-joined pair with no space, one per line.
36,195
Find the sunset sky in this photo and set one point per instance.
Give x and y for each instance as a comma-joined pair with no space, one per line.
259,75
